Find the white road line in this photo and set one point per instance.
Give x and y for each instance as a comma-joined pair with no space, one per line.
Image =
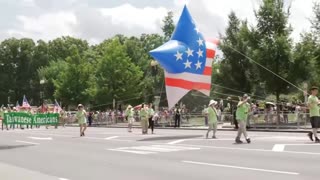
243,168
26,142
111,137
228,148
177,141
132,151
40,138
248,149
314,144
91,138
152,149
176,147
299,152
278,147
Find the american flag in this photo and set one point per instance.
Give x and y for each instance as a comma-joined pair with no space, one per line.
17,106
25,103
57,107
187,59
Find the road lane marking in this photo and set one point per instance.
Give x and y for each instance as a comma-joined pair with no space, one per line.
153,149
111,137
132,151
248,149
278,148
26,142
40,138
299,152
281,147
314,144
177,141
243,168
228,148
176,147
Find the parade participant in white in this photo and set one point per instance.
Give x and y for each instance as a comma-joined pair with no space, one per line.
82,119
212,119
130,114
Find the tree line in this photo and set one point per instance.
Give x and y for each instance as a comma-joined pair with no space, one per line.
73,71
250,51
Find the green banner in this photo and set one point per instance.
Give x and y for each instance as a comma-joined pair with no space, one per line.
21,118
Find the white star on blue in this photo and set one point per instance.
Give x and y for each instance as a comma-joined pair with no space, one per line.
186,40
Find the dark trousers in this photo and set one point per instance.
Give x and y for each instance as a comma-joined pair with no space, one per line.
177,121
151,124
236,126
90,121
206,120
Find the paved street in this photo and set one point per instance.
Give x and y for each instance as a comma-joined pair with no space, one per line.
106,153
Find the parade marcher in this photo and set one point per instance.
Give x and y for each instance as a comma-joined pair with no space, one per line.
177,116
313,104
82,119
236,125
155,119
90,117
242,115
212,119
64,116
130,115
144,119
205,114
3,110
151,114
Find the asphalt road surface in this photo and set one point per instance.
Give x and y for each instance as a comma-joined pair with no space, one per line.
105,153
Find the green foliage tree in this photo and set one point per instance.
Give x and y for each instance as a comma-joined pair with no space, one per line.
72,85
305,65
59,48
17,57
272,46
235,69
168,26
116,76
315,22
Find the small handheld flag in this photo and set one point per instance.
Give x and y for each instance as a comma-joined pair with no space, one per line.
17,106
57,108
25,103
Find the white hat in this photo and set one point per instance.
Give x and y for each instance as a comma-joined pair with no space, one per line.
212,102
129,106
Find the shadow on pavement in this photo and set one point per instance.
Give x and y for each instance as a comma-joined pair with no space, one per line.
5,147
170,137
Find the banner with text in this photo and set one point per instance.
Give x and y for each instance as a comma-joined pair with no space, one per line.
21,118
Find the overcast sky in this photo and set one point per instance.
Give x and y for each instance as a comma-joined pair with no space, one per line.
96,20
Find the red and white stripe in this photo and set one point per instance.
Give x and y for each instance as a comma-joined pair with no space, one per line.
178,85
25,105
